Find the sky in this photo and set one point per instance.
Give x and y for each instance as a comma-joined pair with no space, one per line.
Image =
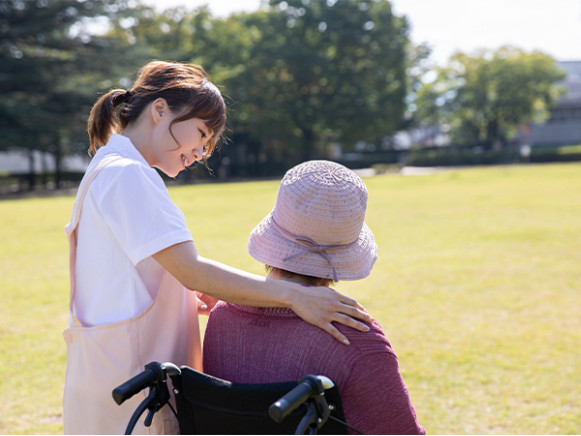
552,26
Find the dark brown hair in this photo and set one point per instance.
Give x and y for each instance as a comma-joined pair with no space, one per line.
310,280
185,87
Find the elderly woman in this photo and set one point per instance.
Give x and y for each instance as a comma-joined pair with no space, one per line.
314,236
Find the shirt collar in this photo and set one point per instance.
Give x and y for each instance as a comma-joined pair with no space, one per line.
123,146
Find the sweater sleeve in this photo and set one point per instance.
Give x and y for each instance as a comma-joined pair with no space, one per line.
376,400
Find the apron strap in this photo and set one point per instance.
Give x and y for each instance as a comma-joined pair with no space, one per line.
70,228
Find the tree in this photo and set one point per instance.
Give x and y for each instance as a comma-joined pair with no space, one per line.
304,74
486,97
299,75
51,65
328,72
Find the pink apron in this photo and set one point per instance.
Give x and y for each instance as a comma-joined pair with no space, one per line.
99,358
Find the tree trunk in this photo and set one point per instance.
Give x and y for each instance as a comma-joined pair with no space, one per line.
307,147
58,159
43,167
31,175
491,133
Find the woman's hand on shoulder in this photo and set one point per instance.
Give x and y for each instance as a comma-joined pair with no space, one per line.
321,306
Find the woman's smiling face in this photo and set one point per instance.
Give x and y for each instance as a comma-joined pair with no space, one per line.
182,144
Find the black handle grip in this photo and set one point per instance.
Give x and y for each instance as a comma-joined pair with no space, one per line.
136,384
308,387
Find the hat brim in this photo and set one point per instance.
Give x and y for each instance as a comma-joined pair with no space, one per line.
267,245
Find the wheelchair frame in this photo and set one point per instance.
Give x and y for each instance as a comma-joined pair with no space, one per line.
305,400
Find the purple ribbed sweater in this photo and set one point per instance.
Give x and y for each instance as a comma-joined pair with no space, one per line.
255,345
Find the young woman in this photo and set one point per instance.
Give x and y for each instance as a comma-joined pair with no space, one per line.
133,260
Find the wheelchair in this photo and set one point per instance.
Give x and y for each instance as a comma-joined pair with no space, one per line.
209,405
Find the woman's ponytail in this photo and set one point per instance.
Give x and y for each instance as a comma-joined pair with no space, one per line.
103,120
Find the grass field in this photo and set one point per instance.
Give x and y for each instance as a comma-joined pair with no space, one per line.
477,285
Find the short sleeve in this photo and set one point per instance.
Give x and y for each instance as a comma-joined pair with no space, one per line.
137,207
377,400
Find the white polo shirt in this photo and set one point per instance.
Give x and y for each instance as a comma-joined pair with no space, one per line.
127,216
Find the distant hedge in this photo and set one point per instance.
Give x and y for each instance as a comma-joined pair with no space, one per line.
460,156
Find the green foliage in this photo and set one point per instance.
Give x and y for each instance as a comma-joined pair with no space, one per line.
486,97
303,75
570,149
300,75
476,286
327,72
51,66
458,156
565,153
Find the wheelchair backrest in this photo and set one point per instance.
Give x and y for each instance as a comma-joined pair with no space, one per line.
209,405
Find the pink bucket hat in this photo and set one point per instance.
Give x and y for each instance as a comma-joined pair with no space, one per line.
317,225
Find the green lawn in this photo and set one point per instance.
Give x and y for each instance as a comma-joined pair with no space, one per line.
477,285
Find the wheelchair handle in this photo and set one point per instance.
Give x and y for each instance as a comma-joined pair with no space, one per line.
308,387
154,372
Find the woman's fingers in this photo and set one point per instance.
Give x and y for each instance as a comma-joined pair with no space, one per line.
332,330
323,306
351,307
355,312
350,322
205,302
349,301
345,320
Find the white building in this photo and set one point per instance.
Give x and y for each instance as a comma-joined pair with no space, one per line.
564,125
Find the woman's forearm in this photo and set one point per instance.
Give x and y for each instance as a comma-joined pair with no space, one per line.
222,281
319,306
240,287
